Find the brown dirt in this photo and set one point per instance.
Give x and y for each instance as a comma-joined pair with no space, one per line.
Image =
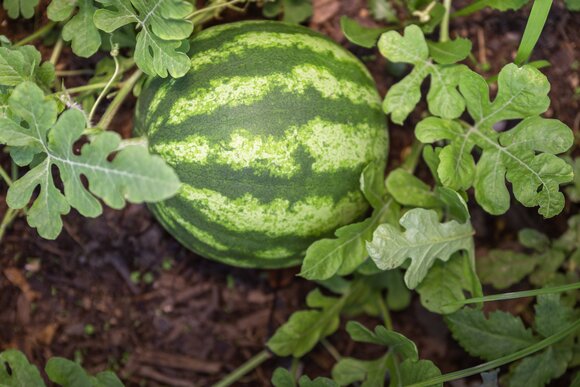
190,321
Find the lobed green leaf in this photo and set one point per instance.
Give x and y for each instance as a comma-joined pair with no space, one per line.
79,29
424,241
133,175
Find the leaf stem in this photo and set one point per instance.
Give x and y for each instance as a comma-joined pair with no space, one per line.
444,32
5,176
330,348
204,10
555,338
118,100
80,89
114,54
385,313
56,51
7,220
36,34
471,8
521,294
248,366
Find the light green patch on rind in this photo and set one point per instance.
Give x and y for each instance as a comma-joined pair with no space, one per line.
272,40
235,91
170,216
333,146
274,253
309,217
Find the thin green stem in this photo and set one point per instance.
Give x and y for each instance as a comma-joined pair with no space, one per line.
444,33
211,8
36,34
294,367
5,176
514,295
330,348
555,338
56,51
248,366
80,89
471,8
534,27
114,54
7,220
118,100
385,313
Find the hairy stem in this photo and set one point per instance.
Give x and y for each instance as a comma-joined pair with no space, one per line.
56,51
199,16
5,176
385,313
7,220
521,294
444,33
114,54
248,366
330,348
412,159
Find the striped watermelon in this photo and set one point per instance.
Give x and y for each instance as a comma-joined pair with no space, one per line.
269,133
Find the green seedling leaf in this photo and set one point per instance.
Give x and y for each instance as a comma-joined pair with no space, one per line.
418,371
382,336
446,283
163,30
23,374
489,338
358,34
67,373
534,239
344,254
282,378
297,11
537,370
573,5
80,30
451,51
382,10
15,8
524,155
305,381
504,268
547,270
443,98
133,175
304,329
551,315
371,373
424,241
20,64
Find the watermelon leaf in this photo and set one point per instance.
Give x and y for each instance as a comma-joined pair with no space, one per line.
161,42
382,336
19,64
447,282
14,8
68,373
371,372
358,34
418,371
80,30
443,98
22,373
424,241
489,338
342,255
525,155
45,142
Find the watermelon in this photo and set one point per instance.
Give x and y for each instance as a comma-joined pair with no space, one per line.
269,133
